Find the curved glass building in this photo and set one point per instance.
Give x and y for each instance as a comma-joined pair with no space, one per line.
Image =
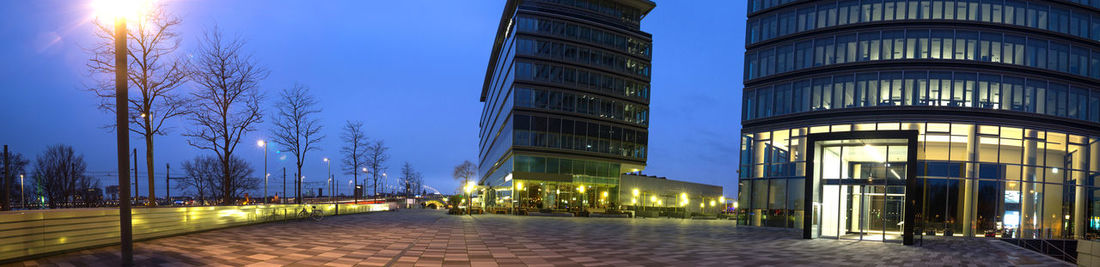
566,99
889,119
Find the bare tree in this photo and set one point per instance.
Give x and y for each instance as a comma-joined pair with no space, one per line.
376,161
154,72
297,127
408,178
59,172
355,149
418,183
227,102
17,166
464,172
202,173
240,179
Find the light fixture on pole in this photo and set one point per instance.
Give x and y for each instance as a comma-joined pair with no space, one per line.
364,190
331,186
119,11
22,192
263,144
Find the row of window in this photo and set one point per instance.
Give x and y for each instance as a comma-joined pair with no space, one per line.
582,55
1002,166
845,12
576,167
610,8
923,44
584,79
583,104
1005,209
551,132
757,5
923,88
574,31
1005,152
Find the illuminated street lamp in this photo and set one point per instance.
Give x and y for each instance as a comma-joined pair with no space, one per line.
364,190
263,144
120,11
22,192
329,166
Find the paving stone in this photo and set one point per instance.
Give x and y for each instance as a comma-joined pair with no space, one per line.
432,238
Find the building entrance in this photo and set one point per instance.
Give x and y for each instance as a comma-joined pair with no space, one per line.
859,186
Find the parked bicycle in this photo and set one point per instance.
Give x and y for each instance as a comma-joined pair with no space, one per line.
316,214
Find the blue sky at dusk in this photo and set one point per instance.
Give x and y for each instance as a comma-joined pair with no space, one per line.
411,70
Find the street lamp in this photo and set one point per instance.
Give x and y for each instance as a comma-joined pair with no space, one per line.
364,190
263,144
120,11
329,166
22,192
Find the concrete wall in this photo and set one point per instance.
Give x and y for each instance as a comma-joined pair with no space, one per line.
1088,253
30,233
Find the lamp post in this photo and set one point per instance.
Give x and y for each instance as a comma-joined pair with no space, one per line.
364,190
263,144
22,192
329,166
383,183
119,11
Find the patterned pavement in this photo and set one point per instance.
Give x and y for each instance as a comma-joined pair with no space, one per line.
432,238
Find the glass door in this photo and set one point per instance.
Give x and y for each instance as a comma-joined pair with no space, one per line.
862,189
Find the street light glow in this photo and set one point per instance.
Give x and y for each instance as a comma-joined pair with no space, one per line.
131,10
261,143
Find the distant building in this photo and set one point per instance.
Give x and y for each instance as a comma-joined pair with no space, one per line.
653,191
566,98
112,192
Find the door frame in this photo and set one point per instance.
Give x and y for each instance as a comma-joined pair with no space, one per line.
912,195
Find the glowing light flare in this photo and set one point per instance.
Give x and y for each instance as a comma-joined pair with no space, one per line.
130,10
261,143
636,192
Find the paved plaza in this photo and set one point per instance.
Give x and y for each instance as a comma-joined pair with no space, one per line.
432,238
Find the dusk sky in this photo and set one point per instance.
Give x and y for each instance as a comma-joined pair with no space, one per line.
412,71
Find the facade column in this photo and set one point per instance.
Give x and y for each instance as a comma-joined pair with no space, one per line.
970,184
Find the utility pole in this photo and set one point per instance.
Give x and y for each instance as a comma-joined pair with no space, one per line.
137,194
167,187
284,186
6,203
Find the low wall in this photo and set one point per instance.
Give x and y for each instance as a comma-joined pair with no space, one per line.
29,233
1088,253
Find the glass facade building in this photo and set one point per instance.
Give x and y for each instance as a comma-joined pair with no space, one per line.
888,119
566,104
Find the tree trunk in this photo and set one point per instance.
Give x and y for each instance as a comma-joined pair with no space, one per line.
226,180
149,168
298,183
